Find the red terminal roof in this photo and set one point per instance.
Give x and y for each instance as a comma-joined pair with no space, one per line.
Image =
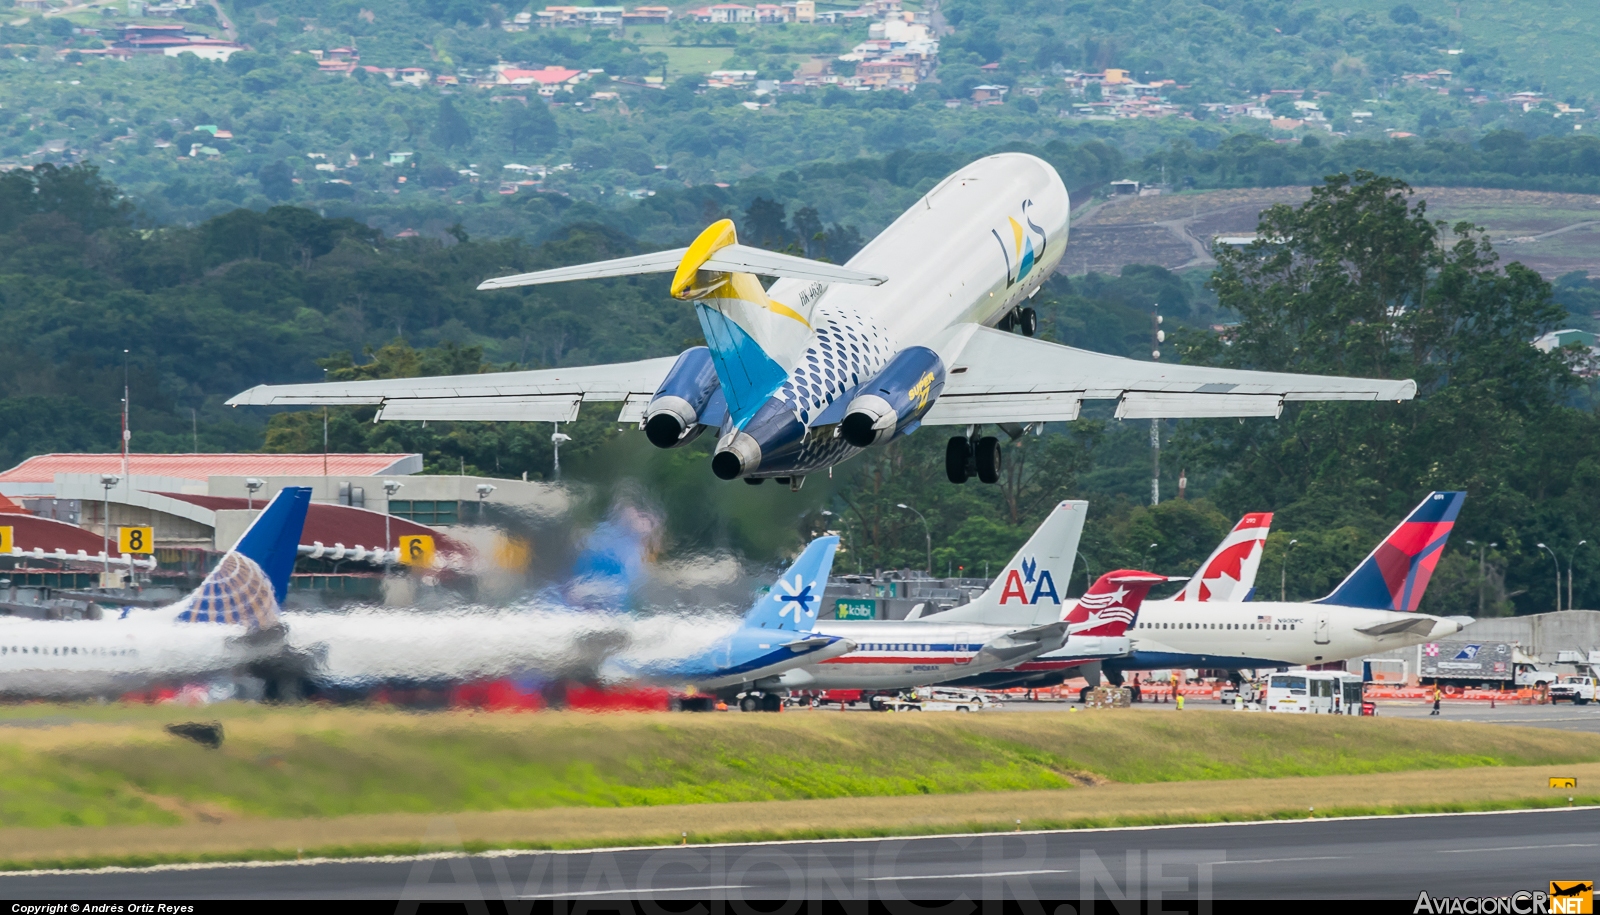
332,524
43,468
30,533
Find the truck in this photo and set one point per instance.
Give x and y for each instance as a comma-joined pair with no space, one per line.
1579,689
1483,663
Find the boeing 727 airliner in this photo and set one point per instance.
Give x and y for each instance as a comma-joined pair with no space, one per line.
834,359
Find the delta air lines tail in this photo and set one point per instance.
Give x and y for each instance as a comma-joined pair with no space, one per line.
1396,574
1229,573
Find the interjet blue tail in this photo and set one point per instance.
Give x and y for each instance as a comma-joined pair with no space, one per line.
1396,574
252,580
796,599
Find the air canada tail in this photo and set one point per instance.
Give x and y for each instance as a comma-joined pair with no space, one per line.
1111,605
1229,574
250,583
1030,588
796,598
1396,574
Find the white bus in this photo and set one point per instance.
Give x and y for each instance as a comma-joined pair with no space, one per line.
1320,692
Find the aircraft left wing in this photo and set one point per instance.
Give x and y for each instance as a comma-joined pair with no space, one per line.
543,395
999,377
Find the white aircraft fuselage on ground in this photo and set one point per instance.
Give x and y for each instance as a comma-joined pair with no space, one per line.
1271,634
900,654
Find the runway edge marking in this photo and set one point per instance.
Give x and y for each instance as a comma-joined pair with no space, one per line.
520,852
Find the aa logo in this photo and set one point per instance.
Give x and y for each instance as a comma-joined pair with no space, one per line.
1571,897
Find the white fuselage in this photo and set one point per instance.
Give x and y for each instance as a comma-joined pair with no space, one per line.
899,654
1265,634
369,647
77,658
953,257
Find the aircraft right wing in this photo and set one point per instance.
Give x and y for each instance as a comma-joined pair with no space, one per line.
543,395
1000,377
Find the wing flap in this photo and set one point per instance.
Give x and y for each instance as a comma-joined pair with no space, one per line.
1022,380
1163,405
555,408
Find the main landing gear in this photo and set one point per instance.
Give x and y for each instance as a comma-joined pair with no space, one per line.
964,457
1024,321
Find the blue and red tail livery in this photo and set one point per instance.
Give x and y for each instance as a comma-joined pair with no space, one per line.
1396,574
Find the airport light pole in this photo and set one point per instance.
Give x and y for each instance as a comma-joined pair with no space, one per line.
1283,573
926,532
108,481
1483,570
1558,572
1157,337
484,489
1144,563
1088,582
251,485
1570,562
390,487
556,438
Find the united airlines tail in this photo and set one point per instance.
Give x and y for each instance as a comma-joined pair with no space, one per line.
1111,605
1396,574
1030,589
250,583
1229,574
794,602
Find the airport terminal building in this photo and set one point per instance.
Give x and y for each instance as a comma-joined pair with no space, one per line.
65,510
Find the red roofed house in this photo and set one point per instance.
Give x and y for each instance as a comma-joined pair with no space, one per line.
547,76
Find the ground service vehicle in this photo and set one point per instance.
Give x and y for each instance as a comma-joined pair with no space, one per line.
1319,692
1575,688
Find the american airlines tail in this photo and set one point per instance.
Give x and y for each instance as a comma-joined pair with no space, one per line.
250,583
1229,574
1030,589
1111,605
1396,574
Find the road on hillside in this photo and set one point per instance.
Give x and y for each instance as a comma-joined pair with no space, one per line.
1371,858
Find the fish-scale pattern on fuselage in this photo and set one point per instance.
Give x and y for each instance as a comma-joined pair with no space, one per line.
844,350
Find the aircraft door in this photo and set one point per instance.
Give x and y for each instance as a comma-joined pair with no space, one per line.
1320,631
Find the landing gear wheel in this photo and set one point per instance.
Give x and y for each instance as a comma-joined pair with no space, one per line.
988,454
750,704
755,481
771,702
1028,322
956,452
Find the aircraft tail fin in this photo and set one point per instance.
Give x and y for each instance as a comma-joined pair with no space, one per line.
1229,573
1395,575
1112,603
251,582
1029,589
796,597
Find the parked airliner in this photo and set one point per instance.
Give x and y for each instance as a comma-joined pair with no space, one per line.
913,331
230,621
1372,610
1015,619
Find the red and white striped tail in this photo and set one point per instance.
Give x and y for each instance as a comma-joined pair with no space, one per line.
1111,605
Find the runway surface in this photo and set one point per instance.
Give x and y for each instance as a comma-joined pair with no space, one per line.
1565,717
1366,858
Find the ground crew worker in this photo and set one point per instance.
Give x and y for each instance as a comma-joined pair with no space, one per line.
1438,694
